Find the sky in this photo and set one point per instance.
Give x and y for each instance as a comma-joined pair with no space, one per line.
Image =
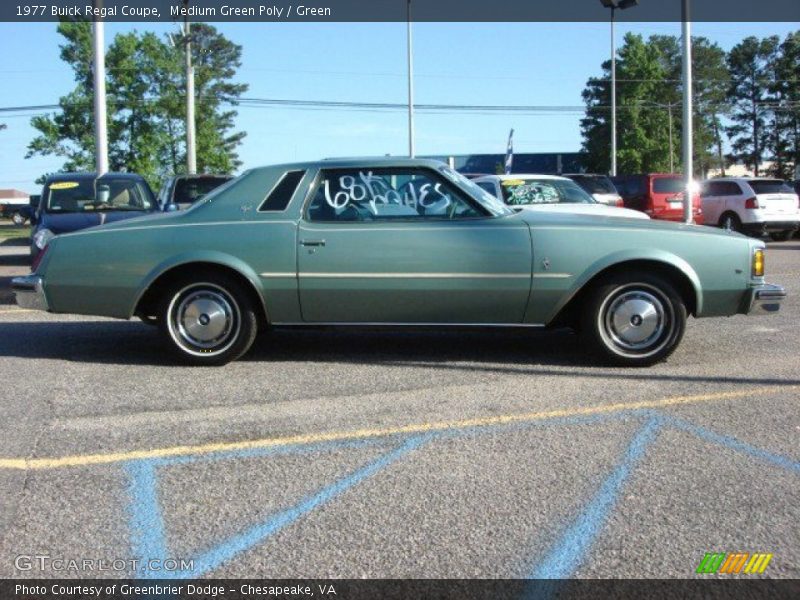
455,63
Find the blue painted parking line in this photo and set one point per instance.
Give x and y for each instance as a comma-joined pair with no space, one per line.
731,443
145,522
567,554
561,561
147,526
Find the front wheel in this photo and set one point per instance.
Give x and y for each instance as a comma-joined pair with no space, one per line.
633,319
18,219
208,319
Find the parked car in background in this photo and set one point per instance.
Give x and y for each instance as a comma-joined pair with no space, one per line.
659,195
12,206
73,201
181,191
391,241
599,186
549,193
755,206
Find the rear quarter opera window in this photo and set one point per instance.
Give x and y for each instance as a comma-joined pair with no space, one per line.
281,194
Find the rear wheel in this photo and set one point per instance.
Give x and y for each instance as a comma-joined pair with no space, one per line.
730,222
208,319
633,319
782,236
18,219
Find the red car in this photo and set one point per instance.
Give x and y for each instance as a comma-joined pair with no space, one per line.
660,195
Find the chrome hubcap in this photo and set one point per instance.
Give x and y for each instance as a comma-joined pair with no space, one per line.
635,320
203,319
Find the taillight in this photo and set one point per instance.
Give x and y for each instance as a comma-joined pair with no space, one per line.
38,260
620,203
751,203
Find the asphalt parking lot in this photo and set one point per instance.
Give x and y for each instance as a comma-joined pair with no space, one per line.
394,455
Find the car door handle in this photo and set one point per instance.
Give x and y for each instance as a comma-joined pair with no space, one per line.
312,242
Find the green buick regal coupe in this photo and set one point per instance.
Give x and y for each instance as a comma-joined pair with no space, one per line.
395,242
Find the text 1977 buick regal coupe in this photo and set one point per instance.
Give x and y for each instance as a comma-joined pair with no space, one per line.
395,242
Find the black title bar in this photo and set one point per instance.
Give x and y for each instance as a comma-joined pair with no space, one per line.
21,11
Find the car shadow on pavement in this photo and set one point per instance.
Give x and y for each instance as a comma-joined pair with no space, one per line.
538,352
16,241
15,260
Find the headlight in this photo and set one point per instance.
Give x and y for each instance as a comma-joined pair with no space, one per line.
42,237
758,262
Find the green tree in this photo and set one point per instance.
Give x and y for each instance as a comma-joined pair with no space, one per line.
749,65
146,104
784,91
649,93
642,127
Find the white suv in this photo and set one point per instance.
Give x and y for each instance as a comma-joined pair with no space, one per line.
751,205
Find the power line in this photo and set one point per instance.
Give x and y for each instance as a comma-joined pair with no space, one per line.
394,106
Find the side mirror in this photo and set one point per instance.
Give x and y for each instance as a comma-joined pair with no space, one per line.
171,207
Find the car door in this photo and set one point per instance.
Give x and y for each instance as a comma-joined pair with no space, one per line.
404,245
713,200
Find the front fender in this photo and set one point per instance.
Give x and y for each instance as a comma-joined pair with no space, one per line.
623,256
198,256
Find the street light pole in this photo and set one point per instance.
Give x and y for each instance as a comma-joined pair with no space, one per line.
613,95
614,5
100,127
687,112
191,148
410,86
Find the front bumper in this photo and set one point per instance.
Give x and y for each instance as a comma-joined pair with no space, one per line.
763,299
29,291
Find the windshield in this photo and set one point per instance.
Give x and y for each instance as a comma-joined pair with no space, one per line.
770,186
104,194
594,185
189,191
487,200
517,192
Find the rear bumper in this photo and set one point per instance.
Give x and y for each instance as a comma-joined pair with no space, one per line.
763,299
29,291
766,226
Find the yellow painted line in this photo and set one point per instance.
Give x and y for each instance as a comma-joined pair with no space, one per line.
81,460
16,310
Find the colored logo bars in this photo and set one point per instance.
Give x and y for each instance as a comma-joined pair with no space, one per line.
734,562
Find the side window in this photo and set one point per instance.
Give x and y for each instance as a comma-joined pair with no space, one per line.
712,189
281,194
732,189
488,186
384,194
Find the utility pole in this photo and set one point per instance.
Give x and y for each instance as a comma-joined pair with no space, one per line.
100,126
687,112
191,148
410,86
671,152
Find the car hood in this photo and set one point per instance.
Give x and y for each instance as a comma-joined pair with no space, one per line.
587,209
68,222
